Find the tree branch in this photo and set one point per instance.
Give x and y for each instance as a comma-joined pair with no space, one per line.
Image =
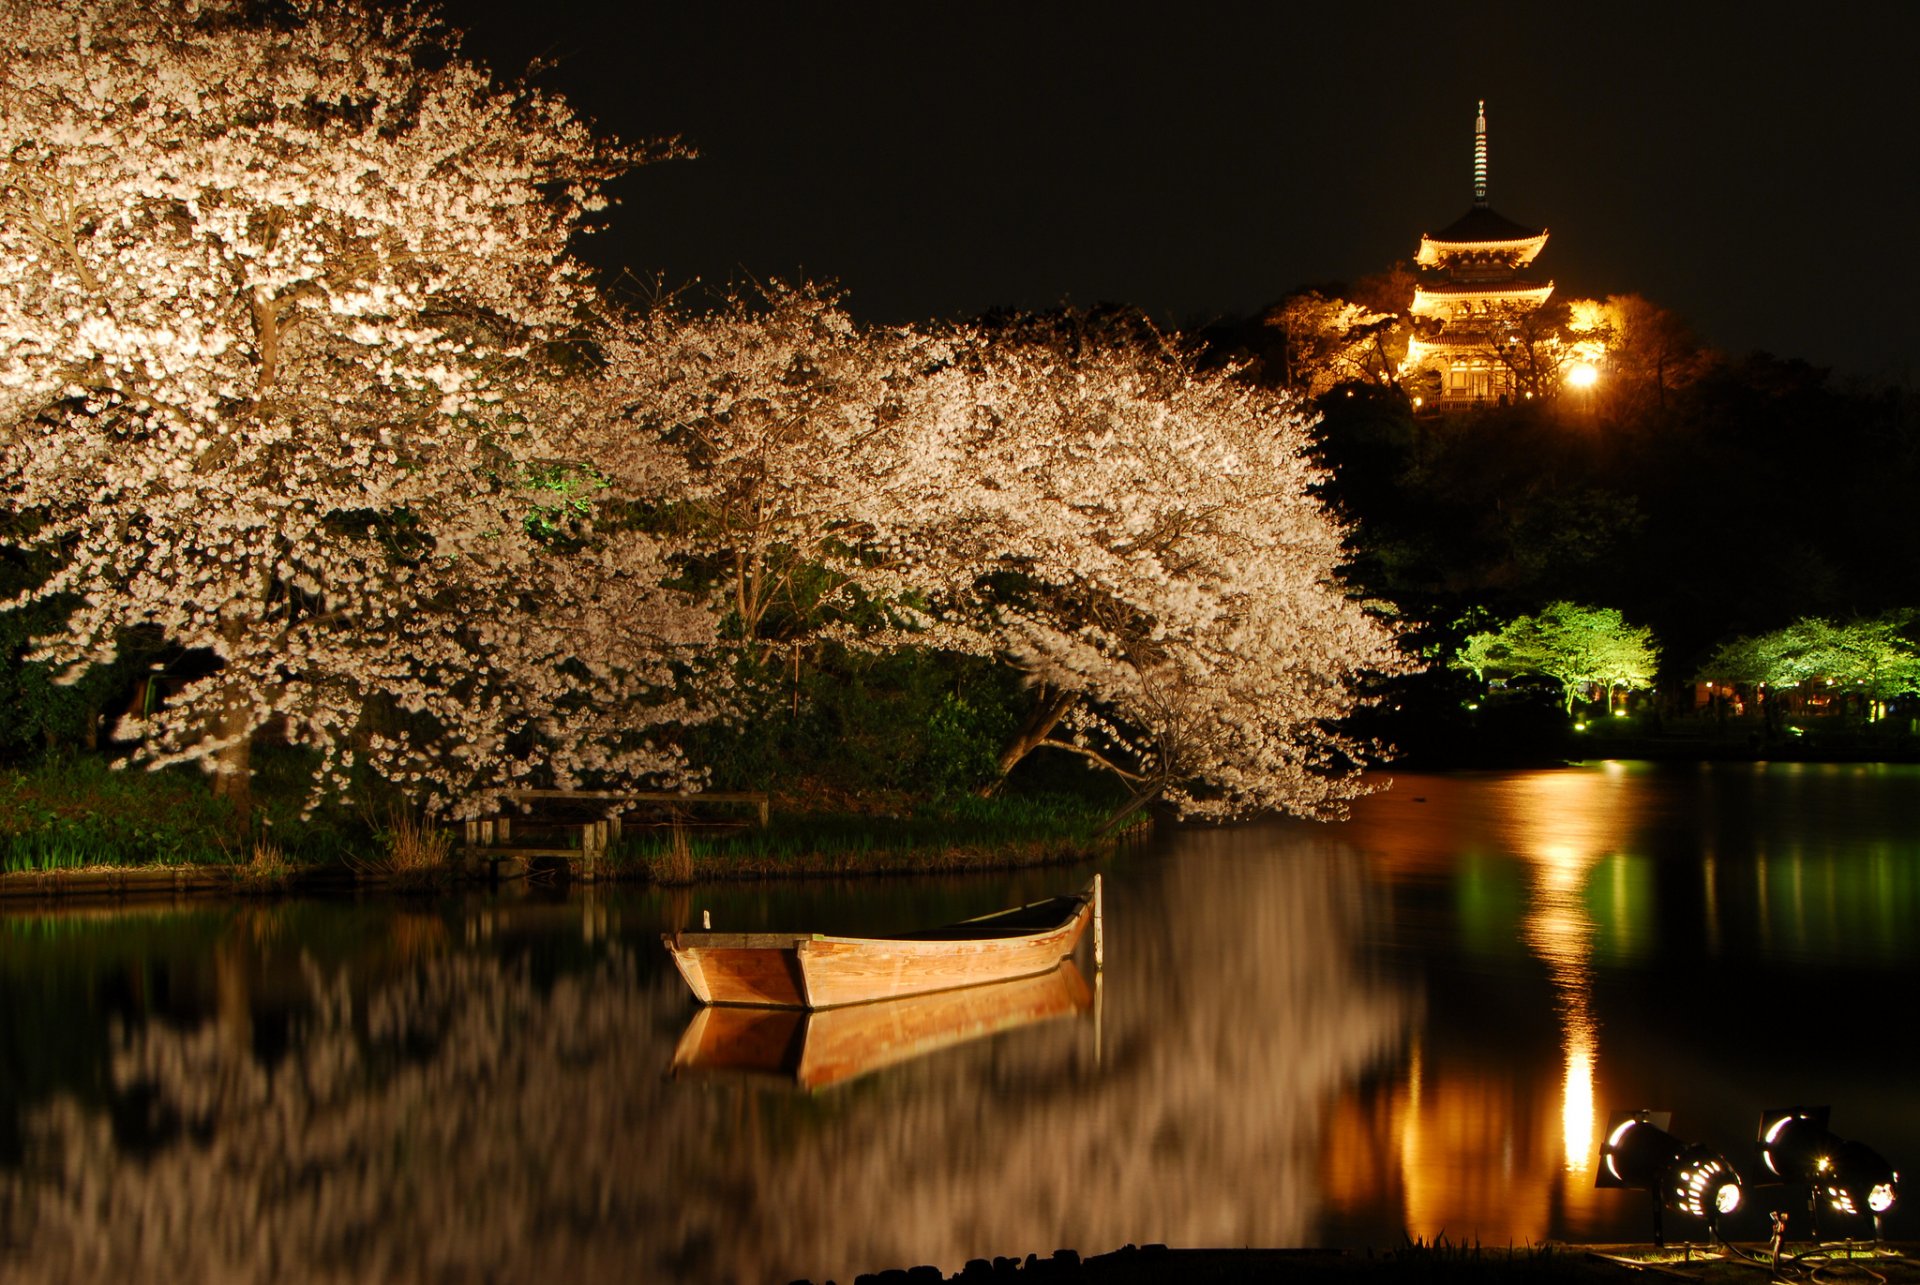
1097,758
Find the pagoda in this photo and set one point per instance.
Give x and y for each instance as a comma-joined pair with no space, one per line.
1473,301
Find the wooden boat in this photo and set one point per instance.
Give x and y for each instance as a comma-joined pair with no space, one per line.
817,1049
813,970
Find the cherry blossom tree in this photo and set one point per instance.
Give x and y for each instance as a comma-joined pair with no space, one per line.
794,430
1139,538
276,286
1143,541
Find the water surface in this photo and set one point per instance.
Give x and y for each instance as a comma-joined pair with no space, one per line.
1412,1023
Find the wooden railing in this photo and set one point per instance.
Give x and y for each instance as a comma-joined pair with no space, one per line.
495,837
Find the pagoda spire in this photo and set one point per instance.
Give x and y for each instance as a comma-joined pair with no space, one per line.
1480,158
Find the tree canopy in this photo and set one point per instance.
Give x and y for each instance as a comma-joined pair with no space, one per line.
276,283
1067,493
1567,641
1877,657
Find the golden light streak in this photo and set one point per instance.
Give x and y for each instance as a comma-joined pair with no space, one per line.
1576,1103
1560,930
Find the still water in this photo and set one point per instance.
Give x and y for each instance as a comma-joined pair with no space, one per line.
1414,1023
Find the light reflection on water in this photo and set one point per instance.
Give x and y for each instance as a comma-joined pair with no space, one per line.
1408,1024
1708,939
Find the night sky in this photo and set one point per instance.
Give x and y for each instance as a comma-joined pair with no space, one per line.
1755,174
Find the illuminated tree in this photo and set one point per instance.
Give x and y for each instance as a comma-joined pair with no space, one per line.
1531,343
1326,342
1650,352
1640,353
1143,541
1877,658
790,429
1575,644
276,282
1138,538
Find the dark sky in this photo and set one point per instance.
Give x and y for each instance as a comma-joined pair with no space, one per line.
1755,173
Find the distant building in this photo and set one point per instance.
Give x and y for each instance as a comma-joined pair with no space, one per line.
1476,336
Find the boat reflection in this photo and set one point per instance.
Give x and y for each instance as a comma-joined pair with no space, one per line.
818,1049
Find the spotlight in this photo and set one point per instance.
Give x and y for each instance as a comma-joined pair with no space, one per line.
1849,1177
1685,1177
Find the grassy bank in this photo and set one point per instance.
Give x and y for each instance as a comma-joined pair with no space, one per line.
78,812
66,824
71,814
958,834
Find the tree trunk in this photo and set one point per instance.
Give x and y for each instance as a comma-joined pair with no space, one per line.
1046,716
233,763
1140,799
232,729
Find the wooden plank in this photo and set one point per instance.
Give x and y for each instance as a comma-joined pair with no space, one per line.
705,940
765,977
694,974
524,853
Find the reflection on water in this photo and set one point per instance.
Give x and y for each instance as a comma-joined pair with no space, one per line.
1404,1025
501,1107
1671,917
829,1047
1567,824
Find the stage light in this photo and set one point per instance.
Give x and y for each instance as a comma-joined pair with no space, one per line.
1685,1177
1850,1178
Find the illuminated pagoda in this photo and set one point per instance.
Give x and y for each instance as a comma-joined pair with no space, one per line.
1472,300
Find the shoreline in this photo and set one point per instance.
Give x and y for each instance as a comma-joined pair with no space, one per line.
209,881
1894,1263
477,870
468,870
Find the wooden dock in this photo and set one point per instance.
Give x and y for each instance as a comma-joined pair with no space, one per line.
507,845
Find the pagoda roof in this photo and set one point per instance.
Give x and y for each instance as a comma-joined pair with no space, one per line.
1428,299
1481,223
1481,229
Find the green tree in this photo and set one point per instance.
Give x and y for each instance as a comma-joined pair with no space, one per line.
1876,657
1573,643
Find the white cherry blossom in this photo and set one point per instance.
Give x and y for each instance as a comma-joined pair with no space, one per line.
275,289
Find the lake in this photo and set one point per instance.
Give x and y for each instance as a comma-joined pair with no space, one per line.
1413,1023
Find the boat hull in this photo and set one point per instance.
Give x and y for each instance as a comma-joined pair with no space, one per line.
787,970
821,1048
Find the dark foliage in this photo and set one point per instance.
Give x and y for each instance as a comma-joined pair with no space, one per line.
1759,494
